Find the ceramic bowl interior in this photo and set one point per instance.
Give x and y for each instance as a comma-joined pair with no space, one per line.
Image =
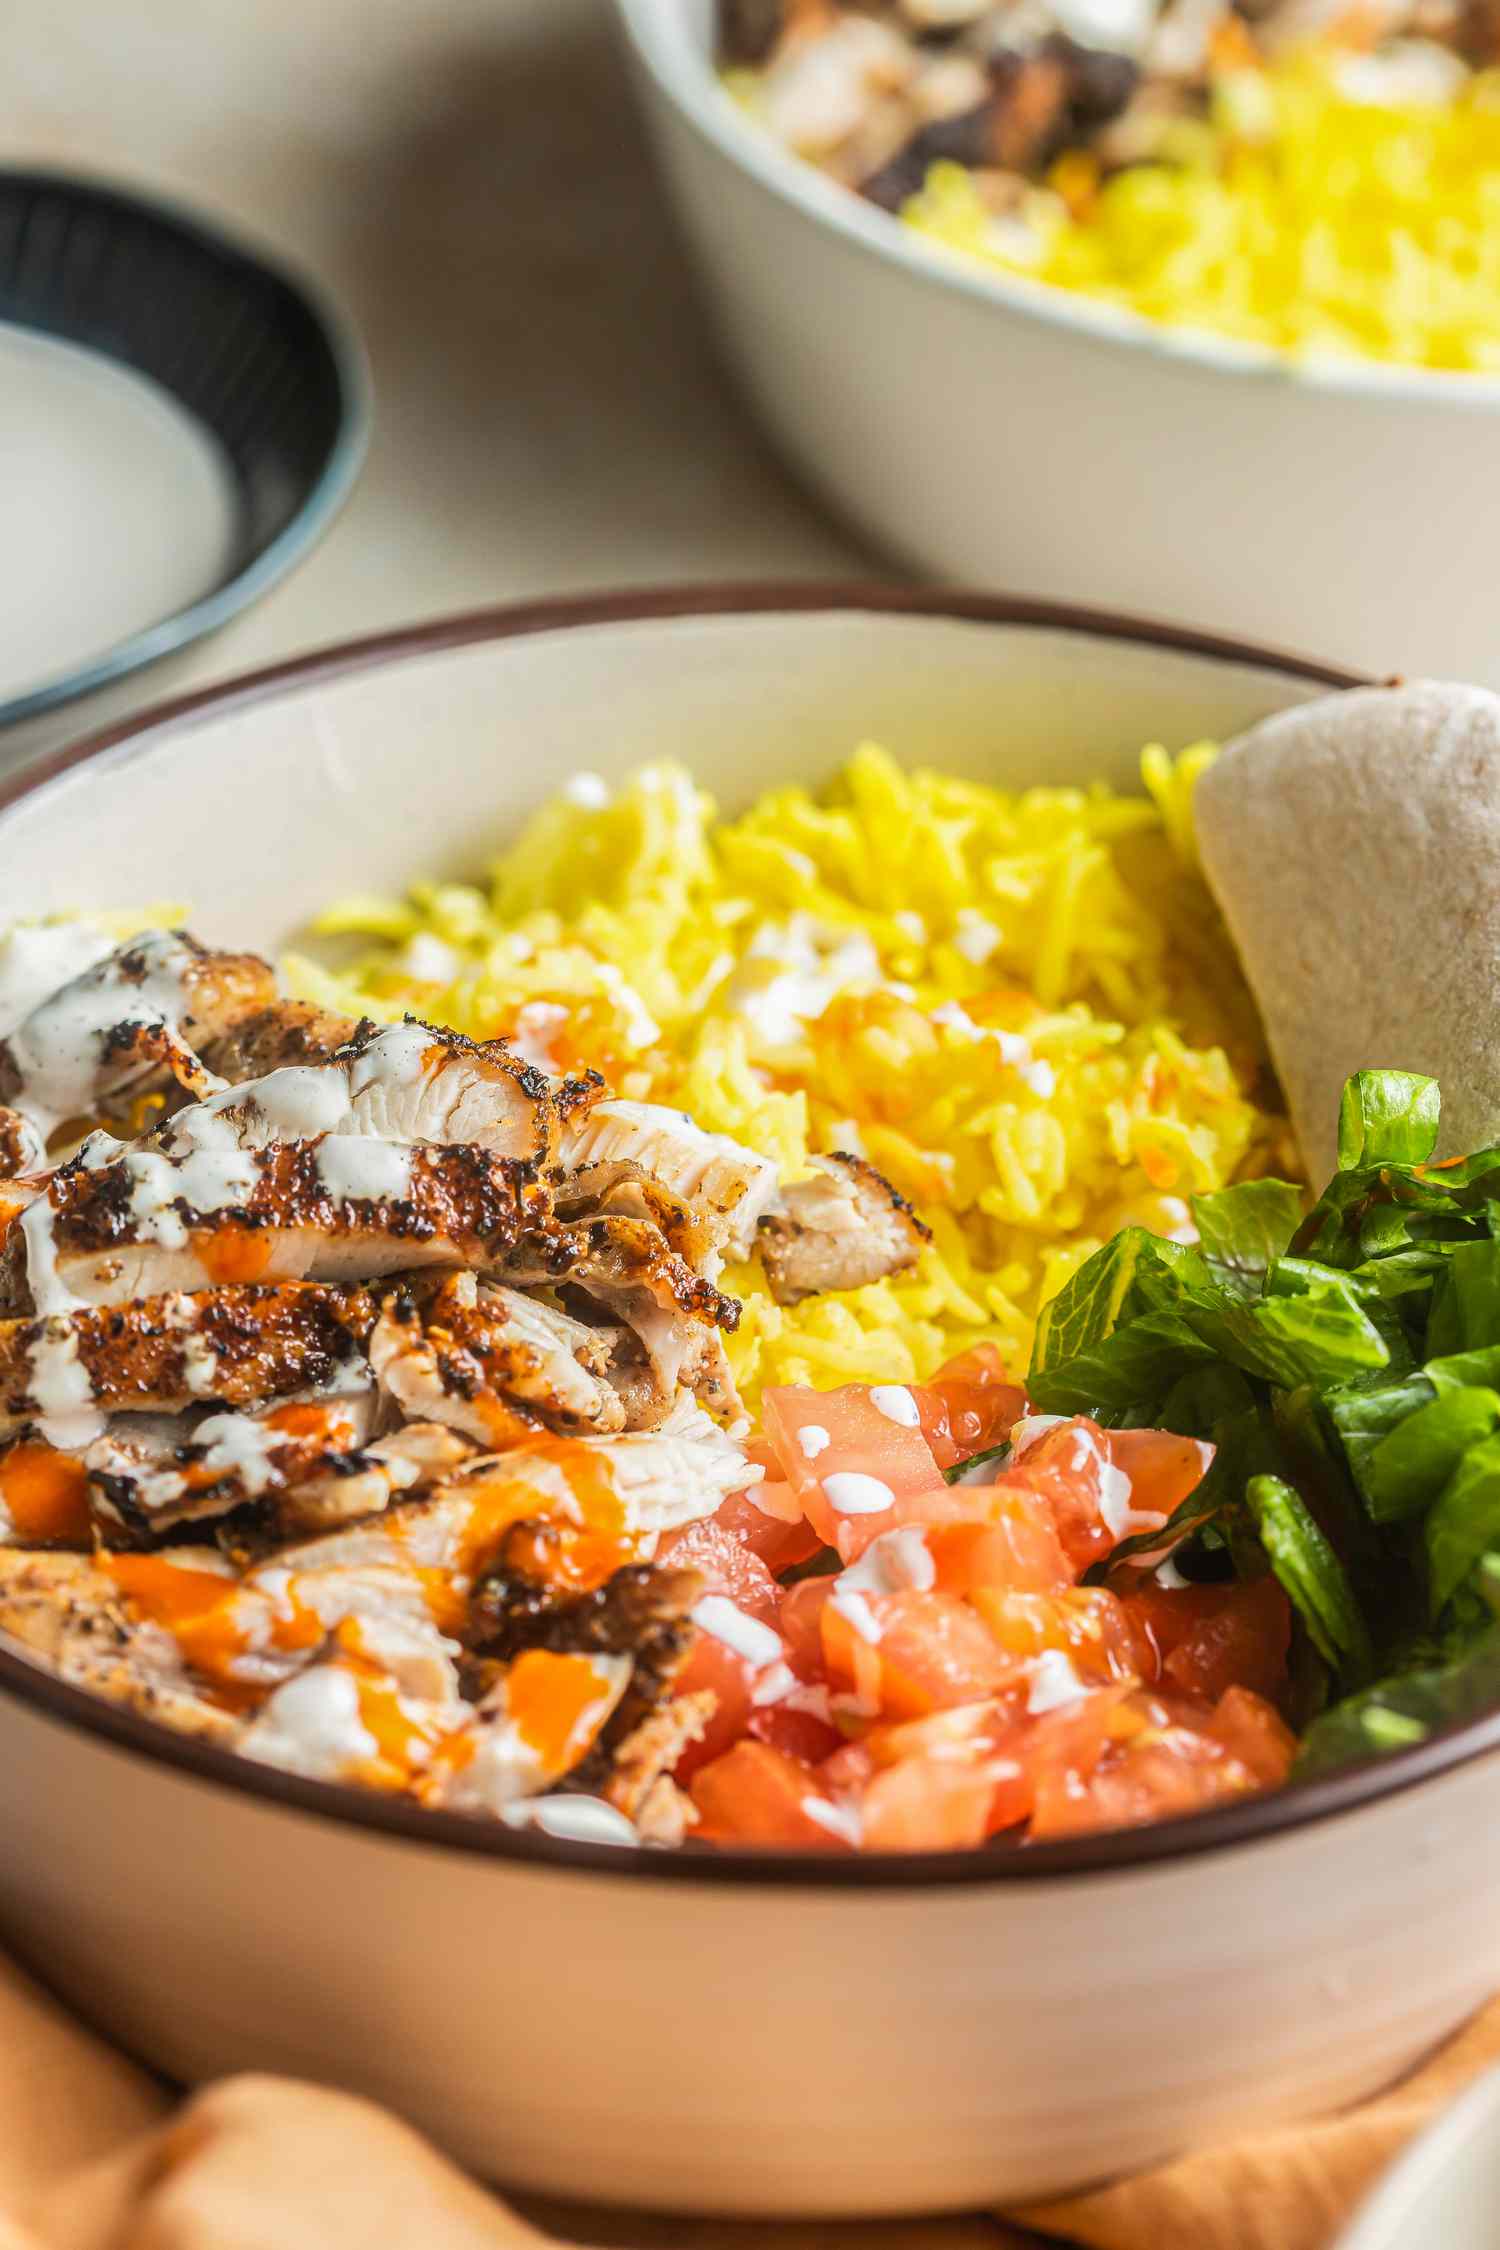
255,356
420,753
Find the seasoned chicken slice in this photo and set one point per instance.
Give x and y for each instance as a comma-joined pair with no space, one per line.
285,1033
599,1497
72,1614
406,1082
22,1147
627,1267
342,1208
240,1346
240,1636
469,1353
141,1486
672,1476
535,1725
138,1014
727,1186
839,1230
645,1612
345,1718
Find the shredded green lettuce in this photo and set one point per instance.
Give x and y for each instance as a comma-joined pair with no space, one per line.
1345,1362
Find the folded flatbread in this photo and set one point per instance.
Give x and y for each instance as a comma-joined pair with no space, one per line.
1354,847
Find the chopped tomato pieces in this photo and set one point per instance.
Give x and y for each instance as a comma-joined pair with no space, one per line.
757,1795
942,1675
726,1565
848,1461
1211,1638
910,1652
1255,1733
969,1406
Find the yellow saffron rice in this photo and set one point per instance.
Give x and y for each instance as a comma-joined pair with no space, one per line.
1034,1023
1292,217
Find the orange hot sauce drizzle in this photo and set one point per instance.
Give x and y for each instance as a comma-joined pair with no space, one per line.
45,1494
557,1704
590,1547
234,1254
212,1618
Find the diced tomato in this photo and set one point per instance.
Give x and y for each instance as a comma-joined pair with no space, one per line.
932,1651
1211,1638
767,1518
727,1566
712,1665
1163,1469
821,1436
928,1804
800,1624
1087,1624
1103,1483
969,1406
989,1535
756,1795
1255,1734
798,1734
845,1771
1162,1773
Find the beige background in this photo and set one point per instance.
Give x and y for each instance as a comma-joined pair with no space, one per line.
470,179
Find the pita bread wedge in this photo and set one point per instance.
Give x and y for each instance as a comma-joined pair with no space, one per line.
1354,847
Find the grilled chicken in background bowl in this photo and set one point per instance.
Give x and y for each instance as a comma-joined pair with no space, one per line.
693,2030
982,428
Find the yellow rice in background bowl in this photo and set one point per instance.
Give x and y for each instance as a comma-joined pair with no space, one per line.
1022,1009
1298,214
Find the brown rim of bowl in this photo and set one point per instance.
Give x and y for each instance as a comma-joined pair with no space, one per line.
1253,1820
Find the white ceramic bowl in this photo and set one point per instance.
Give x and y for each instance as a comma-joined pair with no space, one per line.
1444,2193
703,2032
990,431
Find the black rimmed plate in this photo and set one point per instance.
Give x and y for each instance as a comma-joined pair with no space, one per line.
270,377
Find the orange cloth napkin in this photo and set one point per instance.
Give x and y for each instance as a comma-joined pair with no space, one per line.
95,2156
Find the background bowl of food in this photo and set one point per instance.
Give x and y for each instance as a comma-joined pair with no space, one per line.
1153,265
723,2017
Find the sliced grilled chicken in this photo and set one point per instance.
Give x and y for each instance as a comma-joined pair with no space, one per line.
348,1487
673,1475
22,1147
139,1013
277,1037
728,1186
405,1082
469,1354
72,1613
627,1267
604,1502
638,1780
839,1230
141,1487
241,1635
645,1612
343,1208
535,1726
344,1718
239,1346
